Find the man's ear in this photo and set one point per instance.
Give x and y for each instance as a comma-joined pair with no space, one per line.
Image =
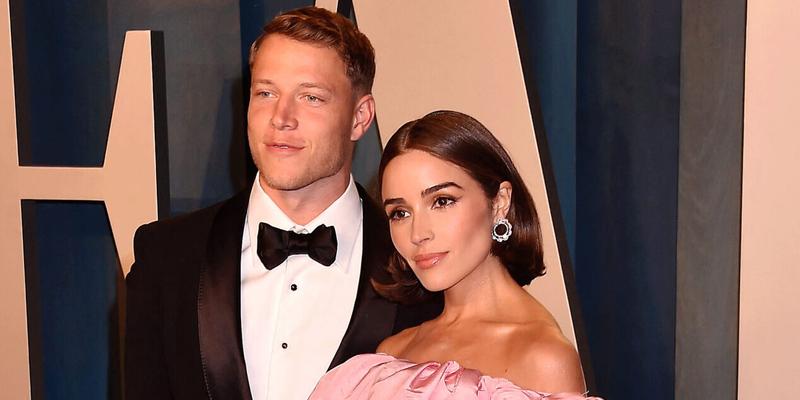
363,115
502,201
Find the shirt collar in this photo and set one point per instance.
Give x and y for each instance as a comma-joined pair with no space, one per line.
344,214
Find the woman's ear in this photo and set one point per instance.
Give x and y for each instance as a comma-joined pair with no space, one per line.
502,201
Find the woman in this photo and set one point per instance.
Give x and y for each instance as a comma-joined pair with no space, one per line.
462,223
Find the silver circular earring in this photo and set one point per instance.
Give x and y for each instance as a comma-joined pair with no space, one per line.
501,230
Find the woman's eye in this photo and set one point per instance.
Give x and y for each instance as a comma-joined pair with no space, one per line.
395,215
443,202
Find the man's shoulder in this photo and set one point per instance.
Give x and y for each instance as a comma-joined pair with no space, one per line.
179,242
189,228
183,222
192,222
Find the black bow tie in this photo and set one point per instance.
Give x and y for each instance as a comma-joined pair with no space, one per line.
275,245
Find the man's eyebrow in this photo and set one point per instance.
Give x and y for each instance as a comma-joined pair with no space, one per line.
312,85
304,85
436,188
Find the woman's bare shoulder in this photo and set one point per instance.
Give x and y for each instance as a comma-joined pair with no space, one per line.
395,344
544,360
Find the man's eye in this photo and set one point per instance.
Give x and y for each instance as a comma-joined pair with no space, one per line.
313,99
264,93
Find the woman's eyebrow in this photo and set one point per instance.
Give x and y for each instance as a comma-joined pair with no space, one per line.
396,200
426,192
436,188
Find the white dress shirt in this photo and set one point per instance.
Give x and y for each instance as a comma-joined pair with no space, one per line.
294,316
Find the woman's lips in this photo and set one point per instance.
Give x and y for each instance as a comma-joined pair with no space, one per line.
428,260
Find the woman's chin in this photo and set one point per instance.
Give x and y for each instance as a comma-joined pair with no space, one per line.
435,286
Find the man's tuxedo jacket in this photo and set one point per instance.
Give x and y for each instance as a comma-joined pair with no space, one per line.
183,337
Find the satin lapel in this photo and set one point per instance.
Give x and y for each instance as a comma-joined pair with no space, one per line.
373,316
218,300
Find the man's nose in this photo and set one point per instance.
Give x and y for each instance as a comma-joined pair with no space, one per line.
283,116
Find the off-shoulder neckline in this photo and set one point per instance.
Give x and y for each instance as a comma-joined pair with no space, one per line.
456,366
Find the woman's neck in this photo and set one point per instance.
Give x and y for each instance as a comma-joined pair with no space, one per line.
485,294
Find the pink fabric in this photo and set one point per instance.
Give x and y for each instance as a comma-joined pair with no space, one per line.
383,377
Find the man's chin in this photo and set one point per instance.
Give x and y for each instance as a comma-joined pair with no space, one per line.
288,183
284,184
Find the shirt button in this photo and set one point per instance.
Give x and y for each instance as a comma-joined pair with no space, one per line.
284,345
293,287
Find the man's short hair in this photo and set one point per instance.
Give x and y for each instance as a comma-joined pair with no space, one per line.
321,27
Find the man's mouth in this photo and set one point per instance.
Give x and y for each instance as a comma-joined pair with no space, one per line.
284,147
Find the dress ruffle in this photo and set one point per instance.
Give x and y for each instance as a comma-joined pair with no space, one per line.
383,377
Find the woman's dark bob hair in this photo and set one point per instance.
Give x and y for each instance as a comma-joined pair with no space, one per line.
461,140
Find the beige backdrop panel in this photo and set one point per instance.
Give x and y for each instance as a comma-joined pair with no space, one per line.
126,183
769,352
462,55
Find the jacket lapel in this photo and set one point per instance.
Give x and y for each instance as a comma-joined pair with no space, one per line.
218,300
218,304
373,316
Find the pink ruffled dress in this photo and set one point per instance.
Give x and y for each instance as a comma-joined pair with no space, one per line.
383,377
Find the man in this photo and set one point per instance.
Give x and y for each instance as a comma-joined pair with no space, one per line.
258,296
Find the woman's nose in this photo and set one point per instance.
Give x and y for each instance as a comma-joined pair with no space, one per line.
421,230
